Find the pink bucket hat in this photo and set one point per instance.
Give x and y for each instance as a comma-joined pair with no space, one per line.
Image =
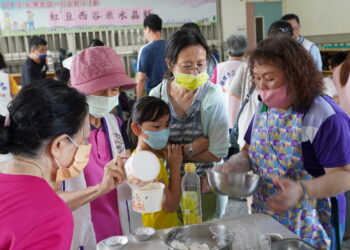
99,68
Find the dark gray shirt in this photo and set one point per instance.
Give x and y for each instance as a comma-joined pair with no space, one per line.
32,71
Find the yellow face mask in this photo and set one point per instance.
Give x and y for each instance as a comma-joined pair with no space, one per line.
191,82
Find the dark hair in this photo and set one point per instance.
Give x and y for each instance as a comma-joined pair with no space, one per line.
3,64
345,71
62,55
36,41
153,21
304,82
237,45
191,26
280,27
338,58
40,112
63,75
180,40
290,16
96,42
147,108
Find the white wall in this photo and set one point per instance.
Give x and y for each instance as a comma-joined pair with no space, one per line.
233,14
318,17
321,17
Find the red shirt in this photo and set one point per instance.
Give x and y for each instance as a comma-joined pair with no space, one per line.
32,216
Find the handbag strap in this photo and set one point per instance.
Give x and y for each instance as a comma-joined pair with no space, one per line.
244,103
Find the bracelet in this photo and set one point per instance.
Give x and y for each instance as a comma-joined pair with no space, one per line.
303,188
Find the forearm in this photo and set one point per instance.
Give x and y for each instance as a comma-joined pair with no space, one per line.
76,199
328,185
204,156
198,145
141,82
173,194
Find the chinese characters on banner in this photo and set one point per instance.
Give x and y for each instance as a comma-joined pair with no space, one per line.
55,16
49,4
97,16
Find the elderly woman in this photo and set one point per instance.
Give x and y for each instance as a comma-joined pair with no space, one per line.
341,81
198,110
342,84
46,131
225,71
101,212
297,143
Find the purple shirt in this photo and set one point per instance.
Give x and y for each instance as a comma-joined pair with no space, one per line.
325,140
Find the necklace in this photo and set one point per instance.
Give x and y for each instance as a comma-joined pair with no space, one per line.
33,164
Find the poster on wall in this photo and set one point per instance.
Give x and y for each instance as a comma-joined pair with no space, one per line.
57,16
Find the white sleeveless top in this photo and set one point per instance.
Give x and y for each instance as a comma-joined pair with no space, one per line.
5,98
5,93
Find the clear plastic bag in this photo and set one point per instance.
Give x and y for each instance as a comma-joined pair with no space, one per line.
247,236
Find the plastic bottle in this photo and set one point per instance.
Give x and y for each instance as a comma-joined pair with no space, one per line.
191,196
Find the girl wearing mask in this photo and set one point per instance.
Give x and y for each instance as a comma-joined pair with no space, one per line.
46,131
197,109
297,143
98,72
149,130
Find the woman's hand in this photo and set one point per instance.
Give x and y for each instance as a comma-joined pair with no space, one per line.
113,174
290,193
173,156
237,163
225,167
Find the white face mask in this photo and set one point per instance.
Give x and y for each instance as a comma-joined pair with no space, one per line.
99,106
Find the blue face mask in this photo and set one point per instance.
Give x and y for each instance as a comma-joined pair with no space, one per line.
43,57
157,140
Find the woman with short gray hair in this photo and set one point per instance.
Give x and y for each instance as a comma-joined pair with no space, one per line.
237,46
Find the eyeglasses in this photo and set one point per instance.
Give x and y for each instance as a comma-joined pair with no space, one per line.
189,69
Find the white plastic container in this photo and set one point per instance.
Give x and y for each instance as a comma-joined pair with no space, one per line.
142,168
148,199
113,243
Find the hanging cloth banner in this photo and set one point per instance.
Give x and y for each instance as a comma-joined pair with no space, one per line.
56,16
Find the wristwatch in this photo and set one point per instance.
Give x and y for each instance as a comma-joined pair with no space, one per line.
190,150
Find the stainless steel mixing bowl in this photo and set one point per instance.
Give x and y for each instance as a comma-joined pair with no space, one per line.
234,184
215,236
291,244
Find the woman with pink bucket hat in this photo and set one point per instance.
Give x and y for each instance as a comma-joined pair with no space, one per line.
99,73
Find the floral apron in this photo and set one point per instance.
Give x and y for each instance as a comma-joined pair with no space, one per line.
276,150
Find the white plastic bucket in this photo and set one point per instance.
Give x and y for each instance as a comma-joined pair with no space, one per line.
142,168
148,199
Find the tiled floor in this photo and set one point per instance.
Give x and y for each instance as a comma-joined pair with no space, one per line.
236,208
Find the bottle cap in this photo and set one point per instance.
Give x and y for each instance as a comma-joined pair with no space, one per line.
190,167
